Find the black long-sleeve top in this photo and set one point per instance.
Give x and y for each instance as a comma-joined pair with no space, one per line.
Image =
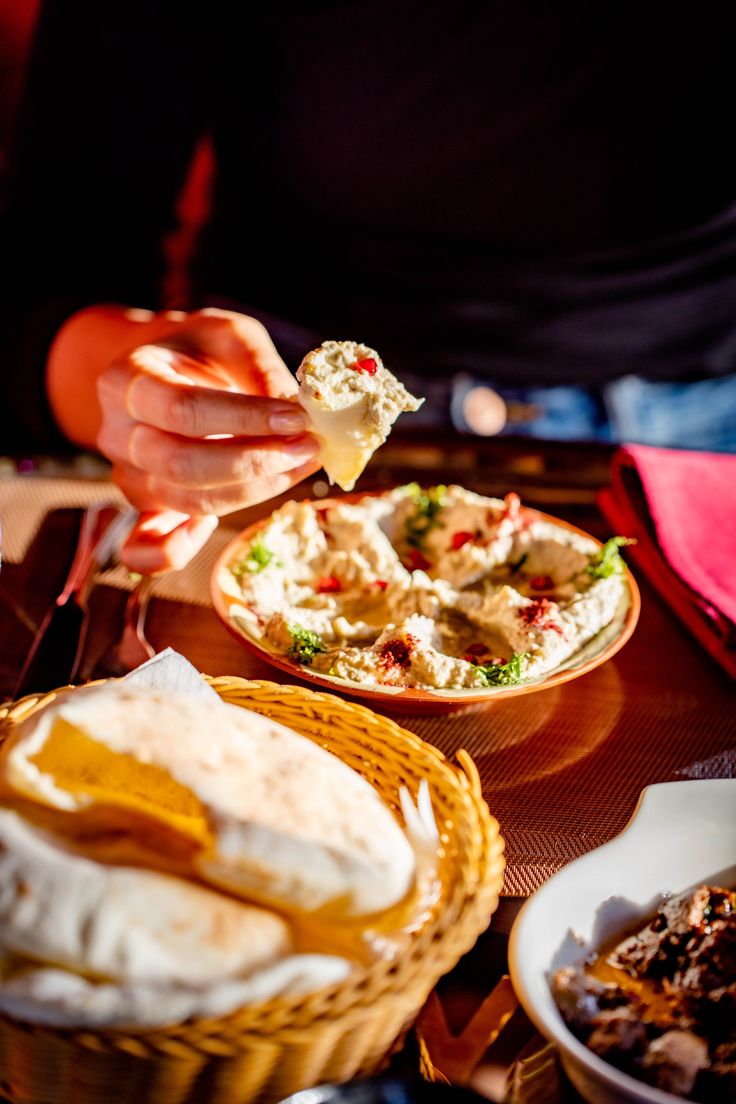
533,192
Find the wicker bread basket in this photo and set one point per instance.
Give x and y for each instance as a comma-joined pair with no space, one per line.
265,1052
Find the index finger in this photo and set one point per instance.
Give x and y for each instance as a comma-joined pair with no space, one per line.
190,410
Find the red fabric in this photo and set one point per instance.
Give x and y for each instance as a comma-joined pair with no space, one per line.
681,508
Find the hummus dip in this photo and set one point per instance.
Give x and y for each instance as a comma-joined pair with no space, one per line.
435,588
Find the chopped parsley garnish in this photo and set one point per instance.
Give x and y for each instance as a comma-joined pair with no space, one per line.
428,504
254,561
305,644
502,674
608,560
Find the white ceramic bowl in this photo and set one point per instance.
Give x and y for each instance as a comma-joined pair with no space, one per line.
681,834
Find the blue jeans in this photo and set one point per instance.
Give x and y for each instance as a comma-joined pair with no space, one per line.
697,415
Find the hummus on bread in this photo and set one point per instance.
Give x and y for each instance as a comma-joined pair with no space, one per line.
434,588
352,400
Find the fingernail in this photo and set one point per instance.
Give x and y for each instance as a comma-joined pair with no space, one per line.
160,523
304,449
287,421
204,523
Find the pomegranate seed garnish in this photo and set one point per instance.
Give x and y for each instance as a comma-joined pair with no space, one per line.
459,539
542,582
380,583
416,561
328,584
477,649
367,364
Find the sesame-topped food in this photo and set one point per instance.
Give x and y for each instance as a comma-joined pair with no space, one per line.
434,588
352,401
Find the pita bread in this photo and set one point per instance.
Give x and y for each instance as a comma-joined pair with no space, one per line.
213,790
58,998
123,923
352,401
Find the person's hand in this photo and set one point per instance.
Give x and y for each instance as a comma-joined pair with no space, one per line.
197,423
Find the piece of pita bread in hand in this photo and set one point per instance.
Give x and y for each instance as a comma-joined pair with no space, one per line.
352,401
210,790
123,923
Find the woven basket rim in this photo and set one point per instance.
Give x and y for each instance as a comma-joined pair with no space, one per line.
463,916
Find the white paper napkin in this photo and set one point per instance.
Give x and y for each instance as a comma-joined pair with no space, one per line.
170,671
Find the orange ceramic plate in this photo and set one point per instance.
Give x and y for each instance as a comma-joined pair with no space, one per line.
604,645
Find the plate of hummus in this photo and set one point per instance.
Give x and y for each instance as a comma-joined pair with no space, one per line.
425,598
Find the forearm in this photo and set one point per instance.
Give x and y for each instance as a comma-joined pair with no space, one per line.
84,347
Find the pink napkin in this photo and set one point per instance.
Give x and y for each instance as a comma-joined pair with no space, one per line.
681,508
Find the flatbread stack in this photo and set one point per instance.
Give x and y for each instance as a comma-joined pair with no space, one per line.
164,859
352,401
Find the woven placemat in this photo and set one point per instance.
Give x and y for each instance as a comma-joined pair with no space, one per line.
25,499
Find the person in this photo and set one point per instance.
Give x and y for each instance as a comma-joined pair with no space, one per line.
535,199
